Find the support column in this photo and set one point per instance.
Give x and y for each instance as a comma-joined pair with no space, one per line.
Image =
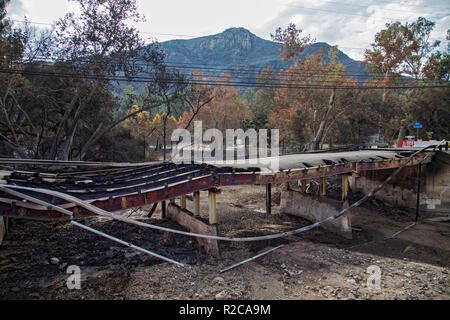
345,185
323,186
304,185
269,198
197,203
163,209
345,188
419,179
183,202
212,207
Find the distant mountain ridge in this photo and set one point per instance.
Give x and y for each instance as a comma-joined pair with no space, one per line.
237,48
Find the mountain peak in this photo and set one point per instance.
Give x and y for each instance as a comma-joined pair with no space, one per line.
236,47
238,30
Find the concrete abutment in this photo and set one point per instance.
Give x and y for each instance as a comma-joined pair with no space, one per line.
314,208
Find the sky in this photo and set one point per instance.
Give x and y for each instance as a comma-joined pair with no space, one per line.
350,24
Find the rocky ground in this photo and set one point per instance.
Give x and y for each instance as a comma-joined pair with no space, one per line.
315,265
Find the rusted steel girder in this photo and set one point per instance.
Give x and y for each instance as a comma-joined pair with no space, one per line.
334,170
205,181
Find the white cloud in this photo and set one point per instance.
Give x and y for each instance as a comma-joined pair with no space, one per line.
351,24
16,8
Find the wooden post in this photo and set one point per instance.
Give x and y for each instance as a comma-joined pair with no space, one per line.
197,203
323,186
269,198
163,210
212,207
183,202
304,185
419,175
345,184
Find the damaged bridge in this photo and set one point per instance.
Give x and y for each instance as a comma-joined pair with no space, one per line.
31,189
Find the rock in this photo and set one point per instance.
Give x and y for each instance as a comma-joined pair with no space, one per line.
131,255
283,266
62,266
352,281
221,296
54,261
218,280
351,296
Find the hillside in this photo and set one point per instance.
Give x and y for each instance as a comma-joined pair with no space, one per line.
238,48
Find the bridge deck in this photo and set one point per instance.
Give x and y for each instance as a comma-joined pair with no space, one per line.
114,187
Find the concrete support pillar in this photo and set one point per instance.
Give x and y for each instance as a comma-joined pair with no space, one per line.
269,198
314,209
212,206
197,203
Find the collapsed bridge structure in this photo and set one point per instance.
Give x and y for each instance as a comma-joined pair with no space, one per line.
52,190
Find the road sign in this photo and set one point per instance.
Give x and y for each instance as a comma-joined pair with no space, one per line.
418,125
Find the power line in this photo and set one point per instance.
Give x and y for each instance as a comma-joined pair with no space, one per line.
216,83
246,72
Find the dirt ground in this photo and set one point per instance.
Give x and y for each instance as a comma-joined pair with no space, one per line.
34,257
